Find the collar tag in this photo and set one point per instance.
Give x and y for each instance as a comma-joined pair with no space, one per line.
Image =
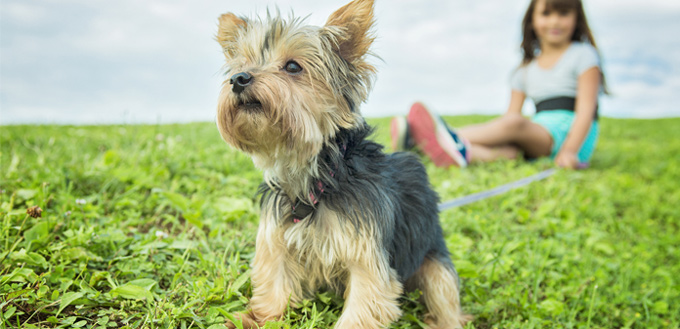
300,211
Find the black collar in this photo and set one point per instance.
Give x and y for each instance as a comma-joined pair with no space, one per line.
301,210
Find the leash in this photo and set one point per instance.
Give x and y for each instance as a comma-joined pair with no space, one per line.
495,191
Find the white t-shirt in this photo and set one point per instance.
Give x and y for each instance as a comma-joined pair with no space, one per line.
540,84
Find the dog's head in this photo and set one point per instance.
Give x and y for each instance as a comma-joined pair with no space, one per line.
291,87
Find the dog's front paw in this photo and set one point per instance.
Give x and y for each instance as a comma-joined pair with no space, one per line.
247,319
346,322
456,321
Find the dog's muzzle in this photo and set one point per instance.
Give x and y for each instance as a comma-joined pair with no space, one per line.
240,81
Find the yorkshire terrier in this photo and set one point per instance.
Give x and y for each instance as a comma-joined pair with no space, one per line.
337,213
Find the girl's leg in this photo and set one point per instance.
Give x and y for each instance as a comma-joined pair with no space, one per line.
482,153
508,130
503,137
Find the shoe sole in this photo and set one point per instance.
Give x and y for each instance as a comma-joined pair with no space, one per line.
398,129
433,138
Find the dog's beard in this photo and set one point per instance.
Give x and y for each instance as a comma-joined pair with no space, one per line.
273,129
248,103
284,119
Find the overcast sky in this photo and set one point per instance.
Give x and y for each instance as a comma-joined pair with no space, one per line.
153,61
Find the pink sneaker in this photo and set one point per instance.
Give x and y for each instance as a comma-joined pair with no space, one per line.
441,144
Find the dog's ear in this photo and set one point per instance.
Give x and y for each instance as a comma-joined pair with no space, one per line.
227,31
355,21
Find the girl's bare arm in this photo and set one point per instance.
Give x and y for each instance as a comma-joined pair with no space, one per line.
586,105
516,102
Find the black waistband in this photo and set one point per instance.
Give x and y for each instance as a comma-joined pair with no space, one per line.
560,103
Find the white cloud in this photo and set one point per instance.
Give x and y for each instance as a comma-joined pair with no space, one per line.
112,61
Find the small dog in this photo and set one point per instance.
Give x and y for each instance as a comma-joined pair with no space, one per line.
337,212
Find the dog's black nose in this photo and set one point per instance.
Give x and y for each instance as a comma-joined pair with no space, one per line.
240,81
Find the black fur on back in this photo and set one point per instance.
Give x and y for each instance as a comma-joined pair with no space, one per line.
388,193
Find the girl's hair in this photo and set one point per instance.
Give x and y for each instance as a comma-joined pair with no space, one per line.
582,32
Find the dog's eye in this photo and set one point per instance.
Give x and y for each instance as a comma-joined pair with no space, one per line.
293,67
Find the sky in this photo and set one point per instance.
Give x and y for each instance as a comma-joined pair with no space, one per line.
156,61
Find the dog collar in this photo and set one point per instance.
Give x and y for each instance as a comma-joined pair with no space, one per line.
301,210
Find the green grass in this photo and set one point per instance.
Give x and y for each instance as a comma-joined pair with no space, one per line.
154,227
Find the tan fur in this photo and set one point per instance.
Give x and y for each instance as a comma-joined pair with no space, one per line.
356,19
439,285
289,127
227,32
293,261
299,115
370,299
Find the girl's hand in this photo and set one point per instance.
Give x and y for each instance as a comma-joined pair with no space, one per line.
567,159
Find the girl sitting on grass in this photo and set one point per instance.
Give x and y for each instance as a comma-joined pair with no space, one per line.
560,72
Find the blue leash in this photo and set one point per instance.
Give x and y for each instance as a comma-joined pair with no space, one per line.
495,191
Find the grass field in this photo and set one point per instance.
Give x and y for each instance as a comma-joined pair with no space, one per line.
154,226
